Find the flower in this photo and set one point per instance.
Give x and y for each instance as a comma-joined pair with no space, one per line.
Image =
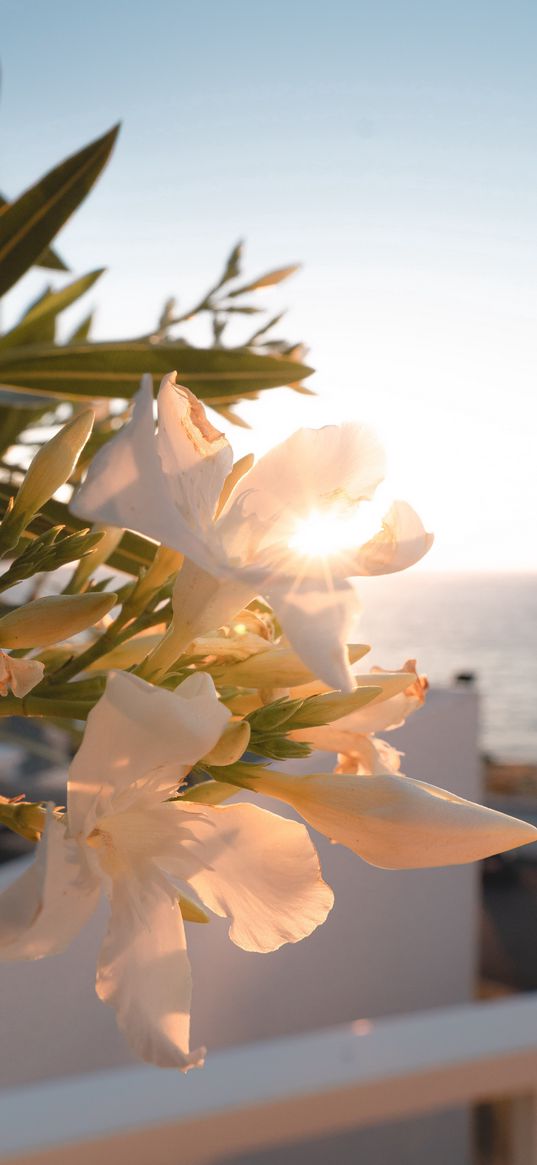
120,834
391,820
169,486
19,675
402,693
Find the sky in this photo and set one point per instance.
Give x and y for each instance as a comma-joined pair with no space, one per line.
389,148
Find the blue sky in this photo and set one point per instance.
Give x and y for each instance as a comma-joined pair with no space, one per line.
389,147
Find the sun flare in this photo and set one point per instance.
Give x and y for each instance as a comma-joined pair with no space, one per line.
324,533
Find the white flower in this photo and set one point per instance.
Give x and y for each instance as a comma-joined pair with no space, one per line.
168,486
19,675
402,693
120,834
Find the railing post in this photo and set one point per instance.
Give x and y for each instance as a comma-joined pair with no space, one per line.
523,1129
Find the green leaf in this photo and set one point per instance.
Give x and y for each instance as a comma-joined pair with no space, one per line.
15,418
265,328
48,259
273,716
28,224
317,710
278,748
108,370
29,329
247,309
82,330
51,260
53,549
133,552
271,277
233,264
228,415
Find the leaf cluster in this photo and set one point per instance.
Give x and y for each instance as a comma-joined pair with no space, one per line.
37,372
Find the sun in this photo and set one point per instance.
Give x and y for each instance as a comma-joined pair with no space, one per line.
328,532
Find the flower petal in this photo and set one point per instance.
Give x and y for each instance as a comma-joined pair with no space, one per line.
338,464
144,972
203,603
368,756
256,868
359,751
139,742
391,711
278,666
125,484
44,909
317,623
195,457
395,822
21,675
402,541
400,696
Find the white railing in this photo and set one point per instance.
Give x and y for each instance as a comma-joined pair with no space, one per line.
286,1090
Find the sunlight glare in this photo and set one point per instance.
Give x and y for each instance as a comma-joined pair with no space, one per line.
329,532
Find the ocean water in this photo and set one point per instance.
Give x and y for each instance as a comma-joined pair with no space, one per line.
452,623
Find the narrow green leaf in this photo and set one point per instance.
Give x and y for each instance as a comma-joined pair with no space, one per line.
108,370
30,222
82,330
271,277
236,309
15,418
44,311
317,710
229,415
265,328
233,265
48,258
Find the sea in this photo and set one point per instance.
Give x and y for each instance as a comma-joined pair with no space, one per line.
484,625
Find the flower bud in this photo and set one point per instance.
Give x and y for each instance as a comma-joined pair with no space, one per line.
391,820
45,621
111,537
209,792
231,746
130,652
23,817
51,467
165,564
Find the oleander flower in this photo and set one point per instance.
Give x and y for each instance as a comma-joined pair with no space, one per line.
19,675
284,527
352,736
121,835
